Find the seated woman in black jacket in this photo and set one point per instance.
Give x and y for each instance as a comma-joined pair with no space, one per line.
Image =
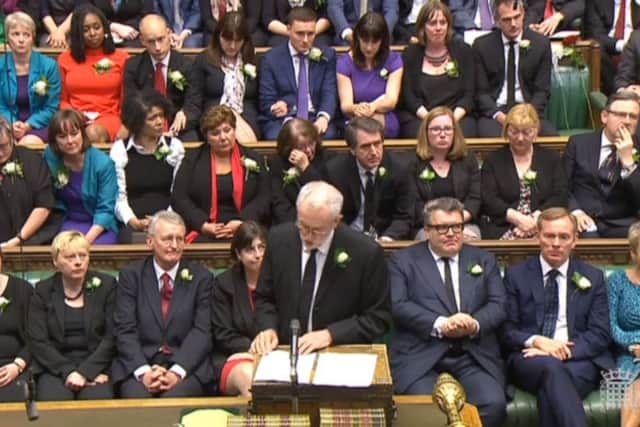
71,325
232,310
520,180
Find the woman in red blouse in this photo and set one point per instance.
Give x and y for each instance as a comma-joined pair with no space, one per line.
92,73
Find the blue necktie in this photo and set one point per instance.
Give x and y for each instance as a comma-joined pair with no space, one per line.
303,89
550,304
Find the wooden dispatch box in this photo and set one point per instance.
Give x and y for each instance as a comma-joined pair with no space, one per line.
276,397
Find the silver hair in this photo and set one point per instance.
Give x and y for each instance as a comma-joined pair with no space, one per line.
19,18
320,193
446,204
167,216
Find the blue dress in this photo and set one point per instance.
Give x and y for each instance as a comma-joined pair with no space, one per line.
624,300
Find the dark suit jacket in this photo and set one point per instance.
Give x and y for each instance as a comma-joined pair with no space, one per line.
344,14
251,9
534,71
501,187
191,195
206,86
418,298
465,174
46,327
139,76
278,82
587,311
393,194
232,318
463,13
571,9
629,66
130,11
621,203
283,196
140,330
189,10
352,301
599,20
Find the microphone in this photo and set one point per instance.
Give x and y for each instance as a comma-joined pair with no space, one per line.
30,397
293,359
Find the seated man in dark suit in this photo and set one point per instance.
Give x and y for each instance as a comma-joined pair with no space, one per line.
607,21
447,301
604,180
375,184
557,328
286,92
331,278
156,68
513,65
162,314
344,15
548,16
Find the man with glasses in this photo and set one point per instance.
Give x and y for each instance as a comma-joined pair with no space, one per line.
513,65
331,278
604,183
448,301
162,319
375,185
557,330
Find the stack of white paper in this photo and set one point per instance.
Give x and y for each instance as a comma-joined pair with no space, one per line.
275,366
347,370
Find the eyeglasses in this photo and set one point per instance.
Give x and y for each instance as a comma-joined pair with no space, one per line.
444,228
315,232
438,130
514,132
624,114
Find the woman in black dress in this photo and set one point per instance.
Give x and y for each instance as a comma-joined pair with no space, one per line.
299,159
221,184
232,311
146,164
15,354
26,194
71,325
438,71
225,73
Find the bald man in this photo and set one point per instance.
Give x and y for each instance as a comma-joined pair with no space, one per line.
151,69
335,280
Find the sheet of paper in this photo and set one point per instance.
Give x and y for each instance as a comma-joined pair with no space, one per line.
348,370
275,366
561,35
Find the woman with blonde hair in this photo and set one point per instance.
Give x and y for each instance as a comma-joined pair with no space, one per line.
520,180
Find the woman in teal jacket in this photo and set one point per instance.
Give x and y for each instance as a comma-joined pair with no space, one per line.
31,92
84,178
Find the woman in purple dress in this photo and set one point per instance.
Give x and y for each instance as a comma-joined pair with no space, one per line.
370,75
30,94
84,178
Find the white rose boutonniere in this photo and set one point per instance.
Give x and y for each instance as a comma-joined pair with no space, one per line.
316,55
94,283
475,269
61,178
581,282
186,275
250,71
103,66
13,168
383,172
250,165
452,69
291,176
4,303
161,152
384,74
530,177
178,80
427,175
342,258
525,44
41,87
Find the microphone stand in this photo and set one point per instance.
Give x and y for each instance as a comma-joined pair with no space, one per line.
293,359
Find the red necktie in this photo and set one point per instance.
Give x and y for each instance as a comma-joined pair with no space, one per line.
159,82
548,9
619,33
166,292
222,9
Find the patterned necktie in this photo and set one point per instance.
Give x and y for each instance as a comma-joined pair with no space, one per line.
609,168
159,82
166,292
303,88
550,304
511,75
620,22
306,293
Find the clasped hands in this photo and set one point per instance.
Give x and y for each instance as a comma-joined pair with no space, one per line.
75,381
459,325
221,230
160,379
280,109
267,340
545,346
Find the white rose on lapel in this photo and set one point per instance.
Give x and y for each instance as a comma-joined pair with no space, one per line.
250,71
316,55
581,282
186,275
342,258
4,303
525,44
93,283
475,269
